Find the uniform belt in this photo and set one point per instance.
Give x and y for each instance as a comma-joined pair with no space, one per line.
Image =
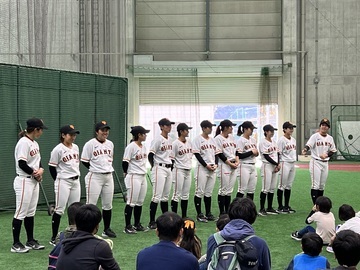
74,177
165,165
26,176
249,163
105,172
321,160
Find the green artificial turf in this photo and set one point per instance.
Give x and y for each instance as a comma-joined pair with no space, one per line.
342,187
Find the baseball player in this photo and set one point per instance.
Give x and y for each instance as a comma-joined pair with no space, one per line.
228,163
182,154
97,156
161,164
270,167
134,167
322,147
26,184
204,149
64,169
287,150
247,152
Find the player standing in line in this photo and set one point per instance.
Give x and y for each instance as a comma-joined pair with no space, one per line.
64,169
247,153
322,147
287,150
97,156
204,149
134,167
182,154
228,163
26,184
269,169
161,165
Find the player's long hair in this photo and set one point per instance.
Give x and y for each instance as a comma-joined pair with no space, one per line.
189,240
27,130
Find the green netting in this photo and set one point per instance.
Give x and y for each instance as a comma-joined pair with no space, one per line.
59,98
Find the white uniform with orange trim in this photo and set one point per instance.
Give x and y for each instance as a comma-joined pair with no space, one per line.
226,174
204,179
25,186
287,150
67,183
267,169
99,179
135,180
161,176
246,172
182,153
319,168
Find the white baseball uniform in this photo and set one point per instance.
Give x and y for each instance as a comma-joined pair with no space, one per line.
67,184
25,186
226,174
267,169
99,179
318,167
204,179
182,154
135,180
161,176
246,171
287,150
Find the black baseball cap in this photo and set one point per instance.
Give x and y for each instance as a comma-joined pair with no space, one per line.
288,124
207,124
325,121
226,123
183,126
165,122
101,125
69,129
269,128
138,130
248,124
35,123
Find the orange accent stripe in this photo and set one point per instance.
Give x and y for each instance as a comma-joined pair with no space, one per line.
88,191
132,187
264,179
58,196
22,197
312,178
282,175
155,183
240,176
176,179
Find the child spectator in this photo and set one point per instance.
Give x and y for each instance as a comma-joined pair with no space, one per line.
309,259
346,247
324,219
189,240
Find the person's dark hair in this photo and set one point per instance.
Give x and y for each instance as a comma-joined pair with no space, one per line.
189,240
27,130
324,204
346,247
169,225
87,218
71,212
312,244
243,208
222,221
346,212
240,130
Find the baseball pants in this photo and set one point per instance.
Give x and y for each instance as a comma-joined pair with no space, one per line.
136,187
319,171
286,175
227,178
67,191
268,178
204,182
99,184
247,178
27,196
161,179
181,183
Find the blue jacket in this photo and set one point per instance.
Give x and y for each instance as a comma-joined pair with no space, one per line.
237,229
166,255
304,261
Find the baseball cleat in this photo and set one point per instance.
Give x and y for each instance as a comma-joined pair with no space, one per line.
282,210
34,244
139,228
271,211
291,211
201,218
129,230
210,217
52,242
295,236
262,213
19,248
152,225
108,233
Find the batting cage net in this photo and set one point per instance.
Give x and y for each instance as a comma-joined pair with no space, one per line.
346,131
59,98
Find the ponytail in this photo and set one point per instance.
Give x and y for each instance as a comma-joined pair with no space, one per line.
218,131
240,130
27,130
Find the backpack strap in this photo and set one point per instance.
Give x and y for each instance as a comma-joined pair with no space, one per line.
248,237
218,238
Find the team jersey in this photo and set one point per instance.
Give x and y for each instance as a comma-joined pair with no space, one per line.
182,153
205,147
136,156
227,146
162,149
245,145
287,149
268,148
28,150
99,154
66,160
320,145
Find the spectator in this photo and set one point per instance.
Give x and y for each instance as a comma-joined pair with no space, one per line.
311,244
242,214
83,250
190,241
167,254
346,247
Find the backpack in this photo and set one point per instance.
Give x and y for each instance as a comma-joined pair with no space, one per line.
55,252
233,255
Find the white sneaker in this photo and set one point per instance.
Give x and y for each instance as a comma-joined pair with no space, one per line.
19,248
